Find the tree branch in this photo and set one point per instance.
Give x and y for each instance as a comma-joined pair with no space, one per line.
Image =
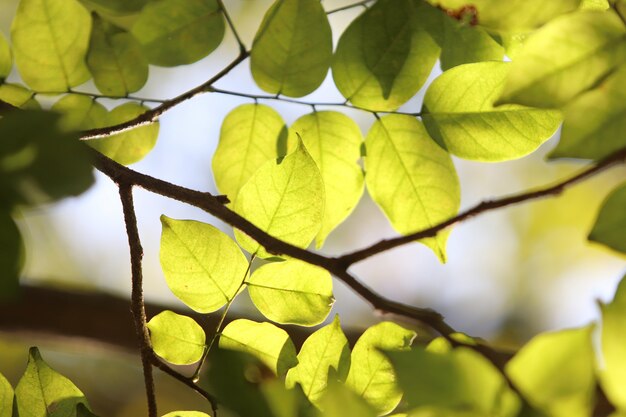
137,302
384,245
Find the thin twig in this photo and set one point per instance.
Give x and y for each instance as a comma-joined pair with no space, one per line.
349,6
151,116
229,21
129,97
137,302
483,207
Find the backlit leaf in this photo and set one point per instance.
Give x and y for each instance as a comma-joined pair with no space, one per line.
18,96
50,41
610,226
44,392
464,44
514,15
411,178
285,199
178,32
371,373
459,114
39,161
340,401
565,58
80,112
265,341
202,265
131,146
595,122
115,60
11,250
292,49
334,142
594,4
555,372
326,348
384,56
248,138
612,372
292,292
117,7
456,380
6,397
6,58
177,339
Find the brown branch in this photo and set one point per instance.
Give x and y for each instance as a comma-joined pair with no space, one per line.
137,302
384,245
152,115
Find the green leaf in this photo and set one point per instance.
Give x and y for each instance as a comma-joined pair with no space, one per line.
459,114
18,96
186,414
411,178
340,401
117,7
371,373
177,339
612,373
248,138
286,199
292,49
6,397
43,392
132,146
115,60
334,142
11,260
202,265
292,292
39,162
555,372
594,123
50,41
325,349
384,56
6,58
610,227
460,379
564,58
83,411
265,341
514,15
80,113
179,32
464,44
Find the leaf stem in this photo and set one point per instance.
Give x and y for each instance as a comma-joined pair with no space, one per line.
229,21
129,97
349,6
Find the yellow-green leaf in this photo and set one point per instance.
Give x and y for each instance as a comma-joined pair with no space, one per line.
284,198
464,44
115,60
292,292
131,146
177,339
610,226
292,49
42,389
202,265
564,58
19,96
334,142
384,56
249,137
411,178
80,112
371,373
268,343
594,123
6,397
117,7
6,58
325,349
178,32
459,114
50,41
340,401
612,373
555,372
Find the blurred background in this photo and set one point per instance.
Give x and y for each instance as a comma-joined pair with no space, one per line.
510,273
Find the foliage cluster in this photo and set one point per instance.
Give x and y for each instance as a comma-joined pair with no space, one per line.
286,186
